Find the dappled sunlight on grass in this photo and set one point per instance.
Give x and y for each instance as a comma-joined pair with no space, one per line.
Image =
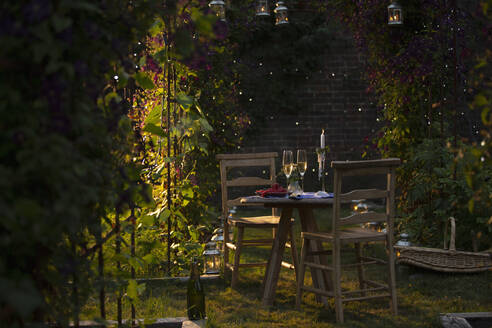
422,296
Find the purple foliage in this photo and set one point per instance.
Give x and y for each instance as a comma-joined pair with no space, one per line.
37,10
151,65
220,30
81,68
93,30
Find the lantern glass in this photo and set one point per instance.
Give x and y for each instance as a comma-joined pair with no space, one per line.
395,14
218,7
281,16
262,8
403,240
211,258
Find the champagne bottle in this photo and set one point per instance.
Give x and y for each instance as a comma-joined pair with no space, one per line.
195,295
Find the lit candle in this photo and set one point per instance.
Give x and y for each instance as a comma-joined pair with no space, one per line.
322,139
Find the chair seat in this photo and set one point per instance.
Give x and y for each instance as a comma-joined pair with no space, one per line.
348,235
256,221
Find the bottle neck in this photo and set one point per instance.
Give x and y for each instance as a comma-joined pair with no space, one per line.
194,273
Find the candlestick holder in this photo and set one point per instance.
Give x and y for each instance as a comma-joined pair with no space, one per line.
321,171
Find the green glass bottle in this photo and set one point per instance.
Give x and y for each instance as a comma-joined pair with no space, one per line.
195,295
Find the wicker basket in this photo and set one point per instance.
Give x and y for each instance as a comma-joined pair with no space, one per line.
442,259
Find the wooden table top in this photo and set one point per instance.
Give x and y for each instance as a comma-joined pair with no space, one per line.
287,202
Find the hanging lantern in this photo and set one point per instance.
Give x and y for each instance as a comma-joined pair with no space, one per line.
262,8
211,258
218,7
281,14
395,14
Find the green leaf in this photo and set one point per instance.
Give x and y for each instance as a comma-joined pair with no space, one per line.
184,100
204,24
82,5
164,214
110,96
149,258
205,125
60,23
154,116
161,56
155,130
144,80
485,112
180,215
184,43
131,289
147,220
469,179
125,124
480,100
157,27
471,204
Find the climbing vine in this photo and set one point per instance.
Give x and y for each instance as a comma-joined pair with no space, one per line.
422,72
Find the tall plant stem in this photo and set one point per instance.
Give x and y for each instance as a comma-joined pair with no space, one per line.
168,164
102,295
75,290
132,251
118,267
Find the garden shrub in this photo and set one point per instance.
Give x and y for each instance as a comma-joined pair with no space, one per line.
65,144
411,70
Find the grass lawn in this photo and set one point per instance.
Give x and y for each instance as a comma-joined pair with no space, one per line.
422,296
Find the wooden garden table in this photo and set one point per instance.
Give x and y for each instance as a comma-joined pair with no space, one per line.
308,223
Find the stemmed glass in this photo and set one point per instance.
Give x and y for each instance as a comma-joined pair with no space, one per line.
302,164
287,164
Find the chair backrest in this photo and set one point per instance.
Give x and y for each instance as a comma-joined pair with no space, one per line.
228,161
364,168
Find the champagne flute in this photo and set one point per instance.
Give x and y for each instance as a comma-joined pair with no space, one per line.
287,164
302,164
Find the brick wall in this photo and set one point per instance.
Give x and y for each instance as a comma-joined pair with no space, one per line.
335,100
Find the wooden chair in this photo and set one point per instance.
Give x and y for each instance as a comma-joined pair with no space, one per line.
344,232
228,161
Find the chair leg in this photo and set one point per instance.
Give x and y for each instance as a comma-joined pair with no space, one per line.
226,240
392,278
360,267
237,256
293,250
337,272
302,271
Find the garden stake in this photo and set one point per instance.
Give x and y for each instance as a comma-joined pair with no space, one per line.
101,277
132,250
118,265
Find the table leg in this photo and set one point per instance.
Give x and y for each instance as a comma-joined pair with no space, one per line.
321,279
275,260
